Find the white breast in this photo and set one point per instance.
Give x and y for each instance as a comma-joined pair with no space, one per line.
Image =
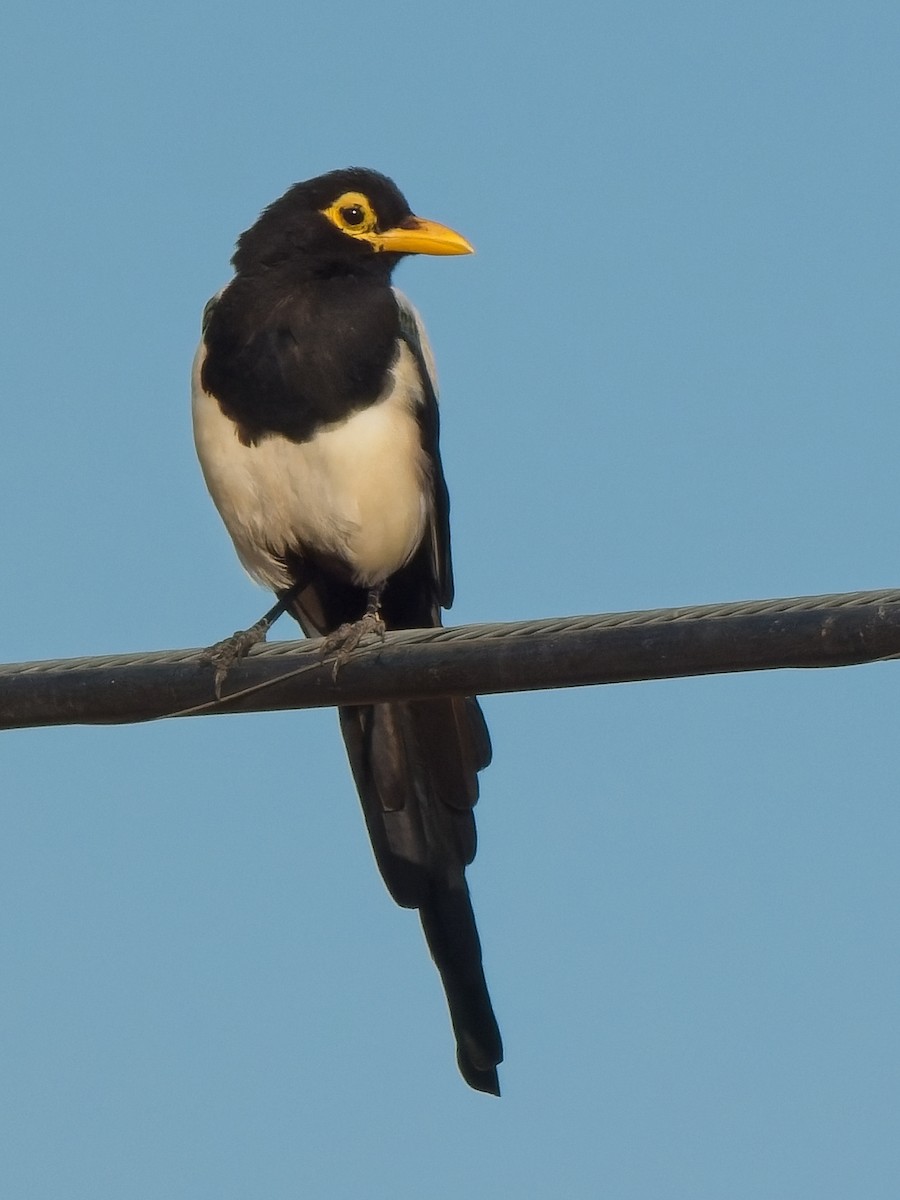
359,491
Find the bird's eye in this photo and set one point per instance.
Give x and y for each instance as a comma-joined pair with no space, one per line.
353,214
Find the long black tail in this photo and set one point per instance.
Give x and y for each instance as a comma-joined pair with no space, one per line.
415,764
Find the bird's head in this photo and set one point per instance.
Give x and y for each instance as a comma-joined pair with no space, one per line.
347,220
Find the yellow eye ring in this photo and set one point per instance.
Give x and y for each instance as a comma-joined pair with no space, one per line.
352,213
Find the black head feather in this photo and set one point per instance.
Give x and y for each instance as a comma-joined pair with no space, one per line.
294,229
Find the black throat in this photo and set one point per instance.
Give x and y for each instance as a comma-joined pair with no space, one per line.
289,353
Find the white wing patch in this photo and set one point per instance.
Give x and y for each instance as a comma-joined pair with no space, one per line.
410,313
358,491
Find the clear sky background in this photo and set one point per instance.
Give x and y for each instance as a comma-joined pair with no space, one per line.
669,376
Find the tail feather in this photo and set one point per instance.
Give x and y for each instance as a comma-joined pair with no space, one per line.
415,765
452,937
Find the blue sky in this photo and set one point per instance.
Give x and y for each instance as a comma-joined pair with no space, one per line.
669,376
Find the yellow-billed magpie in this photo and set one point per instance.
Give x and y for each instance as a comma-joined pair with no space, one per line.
316,424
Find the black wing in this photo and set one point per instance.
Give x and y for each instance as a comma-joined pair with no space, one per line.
413,333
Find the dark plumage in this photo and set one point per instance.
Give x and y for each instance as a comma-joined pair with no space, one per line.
316,423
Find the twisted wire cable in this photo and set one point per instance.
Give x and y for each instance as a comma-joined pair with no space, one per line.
801,631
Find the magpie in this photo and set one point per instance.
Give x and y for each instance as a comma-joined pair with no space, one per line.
316,424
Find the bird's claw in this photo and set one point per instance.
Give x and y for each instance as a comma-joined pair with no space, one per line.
348,636
223,655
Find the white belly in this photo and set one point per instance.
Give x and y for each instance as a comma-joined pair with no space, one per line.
359,492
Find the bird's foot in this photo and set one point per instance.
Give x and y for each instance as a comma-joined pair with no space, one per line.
347,637
223,655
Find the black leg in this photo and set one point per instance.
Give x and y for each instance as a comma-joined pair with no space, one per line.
223,655
347,637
